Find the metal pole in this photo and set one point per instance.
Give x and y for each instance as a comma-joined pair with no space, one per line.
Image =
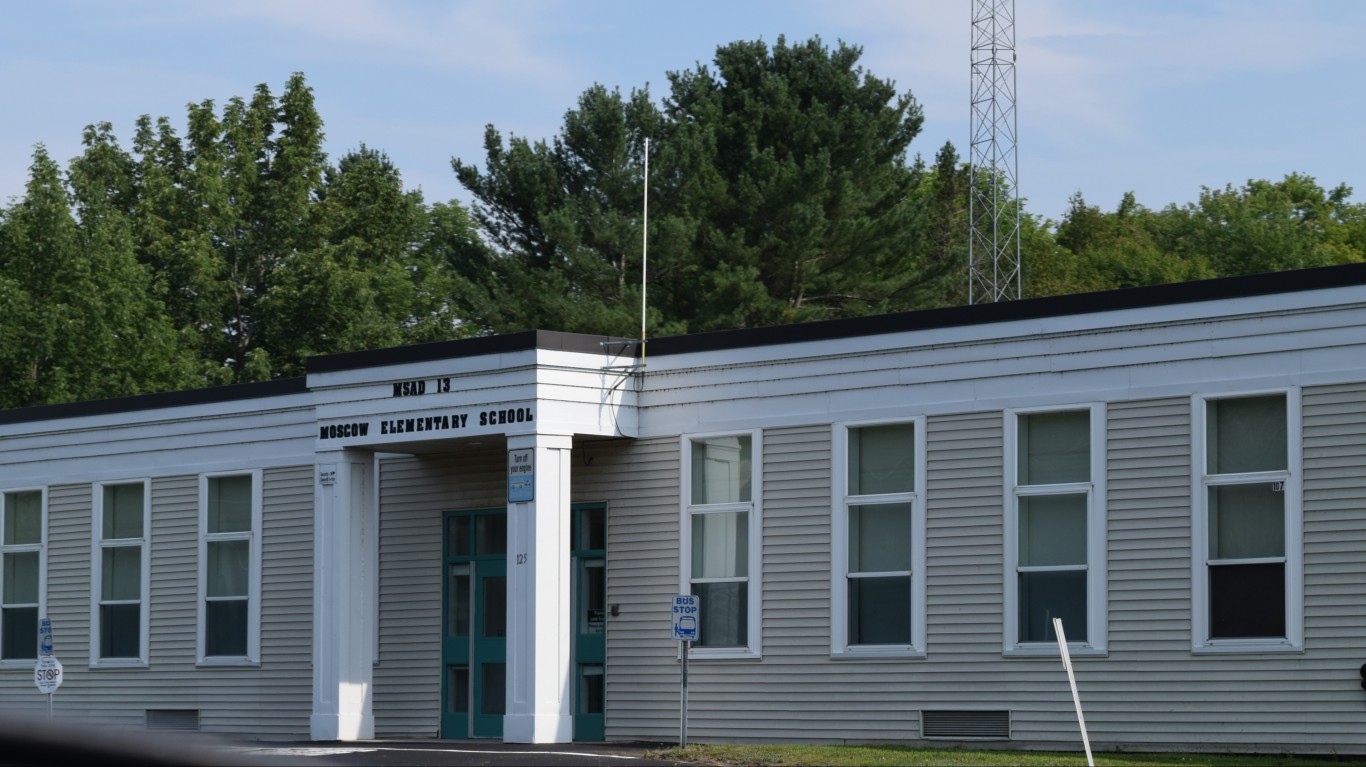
683,703
644,251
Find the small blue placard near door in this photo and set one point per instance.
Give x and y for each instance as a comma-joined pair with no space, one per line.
521,476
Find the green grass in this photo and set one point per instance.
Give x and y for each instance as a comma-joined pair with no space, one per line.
900,756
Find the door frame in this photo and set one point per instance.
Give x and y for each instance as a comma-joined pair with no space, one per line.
475,540
590,648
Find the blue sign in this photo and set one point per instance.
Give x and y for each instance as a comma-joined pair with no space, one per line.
686,617
45,637
521,476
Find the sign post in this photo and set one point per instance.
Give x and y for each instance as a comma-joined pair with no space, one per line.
1072,680
686,618
47,673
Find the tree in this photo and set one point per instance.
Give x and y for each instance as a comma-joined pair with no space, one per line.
1267,226
779,192
76,310
228,256
804,180
1102,251
564,221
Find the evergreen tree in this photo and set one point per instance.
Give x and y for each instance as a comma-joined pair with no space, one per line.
779,193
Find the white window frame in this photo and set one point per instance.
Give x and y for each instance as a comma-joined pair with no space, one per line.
19,548
1201,481
254,536
841,500
1097,619
752,650
97,546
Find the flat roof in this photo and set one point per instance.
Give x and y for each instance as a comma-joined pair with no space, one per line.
926,319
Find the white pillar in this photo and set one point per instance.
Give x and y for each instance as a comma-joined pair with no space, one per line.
539,620
343,609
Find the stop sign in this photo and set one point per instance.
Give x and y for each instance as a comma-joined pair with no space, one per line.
48,674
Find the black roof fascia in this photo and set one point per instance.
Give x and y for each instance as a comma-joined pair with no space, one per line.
137,402
549,340
926,319
1006,311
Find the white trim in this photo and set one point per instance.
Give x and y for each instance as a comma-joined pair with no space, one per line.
754,647
375,466
1097,619
19,548
1293,641
840,502
97,546
254,538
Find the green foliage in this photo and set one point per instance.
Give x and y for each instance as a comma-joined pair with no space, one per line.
779,188
1262,226
779,192
228,256
76,309
1269,226
1103,251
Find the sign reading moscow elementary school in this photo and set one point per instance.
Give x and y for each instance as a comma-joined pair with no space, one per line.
437,422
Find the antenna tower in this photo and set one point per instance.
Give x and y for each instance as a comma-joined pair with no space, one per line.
993,209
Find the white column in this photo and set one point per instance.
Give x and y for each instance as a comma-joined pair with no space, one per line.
343,609
539,620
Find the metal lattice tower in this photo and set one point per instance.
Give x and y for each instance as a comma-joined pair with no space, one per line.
993,210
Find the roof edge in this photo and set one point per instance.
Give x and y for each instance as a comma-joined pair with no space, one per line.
1222,288
528,340
156,401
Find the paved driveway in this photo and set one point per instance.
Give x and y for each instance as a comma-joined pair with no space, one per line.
444,753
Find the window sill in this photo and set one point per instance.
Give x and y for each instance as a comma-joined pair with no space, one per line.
227,663
18,663
696,654
1231,647
884,653
118,663
1050,650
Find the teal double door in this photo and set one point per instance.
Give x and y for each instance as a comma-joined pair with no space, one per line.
474,622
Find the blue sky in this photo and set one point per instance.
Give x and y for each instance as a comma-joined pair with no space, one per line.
1158,97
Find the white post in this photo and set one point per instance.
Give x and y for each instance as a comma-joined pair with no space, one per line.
1072,680
539,632
343,610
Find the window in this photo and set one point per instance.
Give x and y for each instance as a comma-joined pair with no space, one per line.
1247,525
1055,529
119,574
21,573
878,540
720,561
230,566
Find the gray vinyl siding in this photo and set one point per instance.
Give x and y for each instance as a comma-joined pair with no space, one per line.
964,545
272,699
1149,690
1148,468
639,481
414,492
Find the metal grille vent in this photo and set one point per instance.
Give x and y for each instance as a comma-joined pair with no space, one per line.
183,720
982,725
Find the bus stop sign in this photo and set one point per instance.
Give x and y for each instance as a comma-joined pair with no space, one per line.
686,616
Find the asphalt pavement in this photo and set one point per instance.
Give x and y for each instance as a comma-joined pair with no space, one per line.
448,753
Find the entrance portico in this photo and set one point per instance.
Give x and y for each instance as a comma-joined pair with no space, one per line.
536,398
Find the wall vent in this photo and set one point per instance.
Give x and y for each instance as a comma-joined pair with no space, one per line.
960,725
183,720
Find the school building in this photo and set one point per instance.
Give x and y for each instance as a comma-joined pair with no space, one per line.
881,518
